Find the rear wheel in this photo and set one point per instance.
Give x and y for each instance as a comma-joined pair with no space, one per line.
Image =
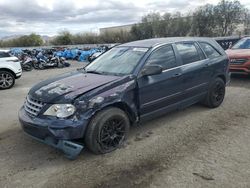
107,131
216,93
27,67
7,80
40,66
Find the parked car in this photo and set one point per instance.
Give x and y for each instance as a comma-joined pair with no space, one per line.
94,56
131,83
239,55
10,69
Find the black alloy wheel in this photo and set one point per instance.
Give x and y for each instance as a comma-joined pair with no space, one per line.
107,130
216,93
112,133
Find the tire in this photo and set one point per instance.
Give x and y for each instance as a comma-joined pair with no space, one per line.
40,66
27,67
7,80
107,131
35,65
216,93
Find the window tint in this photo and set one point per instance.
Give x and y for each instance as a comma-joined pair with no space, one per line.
209,50
164,57
4,54
188,52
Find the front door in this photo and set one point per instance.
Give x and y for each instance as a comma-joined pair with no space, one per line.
159,92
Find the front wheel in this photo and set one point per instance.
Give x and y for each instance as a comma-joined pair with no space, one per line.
7,80
107,131
216,93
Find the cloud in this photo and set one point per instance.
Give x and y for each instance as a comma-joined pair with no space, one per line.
51,16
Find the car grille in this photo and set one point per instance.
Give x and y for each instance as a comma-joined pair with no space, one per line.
238,61
33,106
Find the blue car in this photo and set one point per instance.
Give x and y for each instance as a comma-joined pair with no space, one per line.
127,85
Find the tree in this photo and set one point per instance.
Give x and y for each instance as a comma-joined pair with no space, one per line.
33,40
64,38
204,21
24,41
179,25
116,37
85,38
247,22
228,14
136,32
152,22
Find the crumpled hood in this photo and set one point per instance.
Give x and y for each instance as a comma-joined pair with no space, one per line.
238,53
68,86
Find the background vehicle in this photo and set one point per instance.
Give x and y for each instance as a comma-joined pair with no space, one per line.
99,52
10,69
27,63
130,83
239,55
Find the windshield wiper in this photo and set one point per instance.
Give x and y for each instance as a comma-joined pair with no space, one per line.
81,69
89,71
93,72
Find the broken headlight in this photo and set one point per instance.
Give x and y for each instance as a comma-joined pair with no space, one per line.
60,110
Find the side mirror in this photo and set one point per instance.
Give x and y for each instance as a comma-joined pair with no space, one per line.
151,70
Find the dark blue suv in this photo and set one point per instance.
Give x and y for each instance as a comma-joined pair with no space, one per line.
131,83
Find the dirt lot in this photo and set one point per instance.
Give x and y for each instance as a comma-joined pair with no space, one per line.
196,147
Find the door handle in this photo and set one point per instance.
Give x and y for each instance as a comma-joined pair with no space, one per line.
177,75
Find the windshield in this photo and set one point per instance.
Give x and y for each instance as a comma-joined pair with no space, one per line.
242,44
117,61
4,54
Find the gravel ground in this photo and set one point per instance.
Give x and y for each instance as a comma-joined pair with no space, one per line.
195,147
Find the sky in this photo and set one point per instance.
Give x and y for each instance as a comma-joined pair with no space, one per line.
48,17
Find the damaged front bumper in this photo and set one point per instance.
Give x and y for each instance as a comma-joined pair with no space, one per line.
56,133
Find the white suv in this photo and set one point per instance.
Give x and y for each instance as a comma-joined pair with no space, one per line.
10,69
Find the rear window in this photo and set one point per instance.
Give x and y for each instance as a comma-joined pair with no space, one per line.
188,52
209,50
4,54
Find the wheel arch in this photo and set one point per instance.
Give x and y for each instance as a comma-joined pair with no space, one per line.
223,77
126,108
8,70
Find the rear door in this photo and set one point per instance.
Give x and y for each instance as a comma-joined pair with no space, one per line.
195,70
216,61
158,92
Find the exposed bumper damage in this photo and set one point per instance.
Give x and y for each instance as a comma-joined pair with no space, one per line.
69,148
46,131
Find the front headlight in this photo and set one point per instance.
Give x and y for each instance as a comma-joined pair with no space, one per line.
60,110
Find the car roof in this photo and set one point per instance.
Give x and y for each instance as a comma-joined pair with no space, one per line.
245,38
147,43
4,50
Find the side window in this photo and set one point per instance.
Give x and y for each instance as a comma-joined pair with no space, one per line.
209,50
4,54
164,57
188,52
